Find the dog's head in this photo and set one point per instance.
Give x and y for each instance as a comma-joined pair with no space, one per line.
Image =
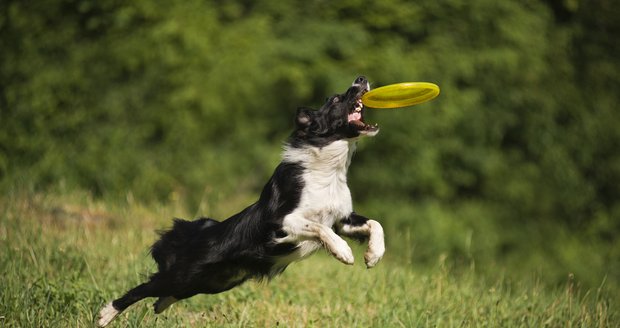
341,117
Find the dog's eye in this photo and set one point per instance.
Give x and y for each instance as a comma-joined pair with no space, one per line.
335,99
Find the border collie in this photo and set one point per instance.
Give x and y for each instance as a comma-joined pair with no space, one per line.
305,205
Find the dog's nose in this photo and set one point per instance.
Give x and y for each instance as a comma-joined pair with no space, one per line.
360,80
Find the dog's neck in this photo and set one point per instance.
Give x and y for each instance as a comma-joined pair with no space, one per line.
334,158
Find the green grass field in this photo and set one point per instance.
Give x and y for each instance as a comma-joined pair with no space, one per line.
62,258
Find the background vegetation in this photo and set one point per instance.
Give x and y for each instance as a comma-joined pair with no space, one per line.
63,257
513,170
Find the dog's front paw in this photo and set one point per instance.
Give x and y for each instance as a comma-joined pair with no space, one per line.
376,244
373,256
342,252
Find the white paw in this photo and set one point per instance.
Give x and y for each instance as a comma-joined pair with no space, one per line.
373,255
106,315
376,244
342,252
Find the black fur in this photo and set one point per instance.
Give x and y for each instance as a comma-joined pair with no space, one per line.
329,123
207,256
353,220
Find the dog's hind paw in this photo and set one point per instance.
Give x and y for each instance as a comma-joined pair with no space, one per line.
106,315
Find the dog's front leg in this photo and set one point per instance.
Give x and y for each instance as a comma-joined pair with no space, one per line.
361,228
299,228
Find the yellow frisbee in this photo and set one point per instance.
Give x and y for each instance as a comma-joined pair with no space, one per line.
400,95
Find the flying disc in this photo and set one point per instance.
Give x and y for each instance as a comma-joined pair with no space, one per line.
400,95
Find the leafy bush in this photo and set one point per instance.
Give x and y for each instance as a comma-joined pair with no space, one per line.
516,160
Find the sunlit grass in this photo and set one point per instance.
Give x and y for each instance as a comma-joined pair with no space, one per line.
62,258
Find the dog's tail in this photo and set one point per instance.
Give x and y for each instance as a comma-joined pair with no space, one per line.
173,241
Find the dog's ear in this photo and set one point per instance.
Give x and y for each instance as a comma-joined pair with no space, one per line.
304,117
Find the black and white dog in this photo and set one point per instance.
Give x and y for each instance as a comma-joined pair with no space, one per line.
305,205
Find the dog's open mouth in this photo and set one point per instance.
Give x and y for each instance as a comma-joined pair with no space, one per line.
356,118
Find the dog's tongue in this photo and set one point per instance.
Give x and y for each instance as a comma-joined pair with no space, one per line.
355,116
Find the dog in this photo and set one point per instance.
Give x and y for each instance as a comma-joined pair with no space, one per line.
305,205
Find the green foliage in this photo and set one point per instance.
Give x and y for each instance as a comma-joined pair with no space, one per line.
515,163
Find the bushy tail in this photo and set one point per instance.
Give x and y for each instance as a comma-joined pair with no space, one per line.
173,241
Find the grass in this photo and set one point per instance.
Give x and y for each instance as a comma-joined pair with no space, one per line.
63,257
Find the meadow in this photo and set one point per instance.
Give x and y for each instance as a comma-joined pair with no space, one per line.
64,256
499,198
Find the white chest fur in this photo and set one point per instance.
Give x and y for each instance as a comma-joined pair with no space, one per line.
326,196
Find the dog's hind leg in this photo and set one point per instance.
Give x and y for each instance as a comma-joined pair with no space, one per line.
149,289
107,314
361,228
163,303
